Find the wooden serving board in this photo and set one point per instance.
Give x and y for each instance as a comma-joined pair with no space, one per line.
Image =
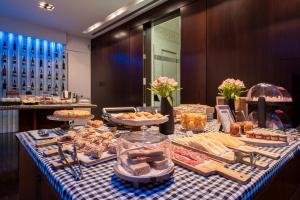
250,149
61,164
44,143
228,157
87,161
262,142
212,167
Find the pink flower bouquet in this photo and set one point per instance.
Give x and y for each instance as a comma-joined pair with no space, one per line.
231,88
164,87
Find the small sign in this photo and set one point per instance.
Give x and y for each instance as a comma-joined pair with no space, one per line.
225,116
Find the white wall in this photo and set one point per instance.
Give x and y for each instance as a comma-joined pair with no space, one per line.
79,63
79,56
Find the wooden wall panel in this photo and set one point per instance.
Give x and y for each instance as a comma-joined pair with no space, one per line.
193,52
117,69
255,41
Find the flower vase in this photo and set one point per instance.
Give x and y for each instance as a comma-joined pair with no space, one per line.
166,128
231,105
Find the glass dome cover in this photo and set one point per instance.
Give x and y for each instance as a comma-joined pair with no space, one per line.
272,93
144,154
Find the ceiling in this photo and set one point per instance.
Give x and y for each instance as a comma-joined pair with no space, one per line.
71,16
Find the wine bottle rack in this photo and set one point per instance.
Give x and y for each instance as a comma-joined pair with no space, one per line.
32,64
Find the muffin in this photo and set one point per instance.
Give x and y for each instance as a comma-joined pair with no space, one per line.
250,134
248,126
234,129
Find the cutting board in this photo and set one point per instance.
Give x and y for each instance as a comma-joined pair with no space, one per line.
61,164
212,167
88,161
44,143
227,157
250,149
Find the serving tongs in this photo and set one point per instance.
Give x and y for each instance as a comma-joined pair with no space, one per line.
239,156
77,175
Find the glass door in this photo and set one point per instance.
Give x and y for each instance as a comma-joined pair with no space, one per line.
164,52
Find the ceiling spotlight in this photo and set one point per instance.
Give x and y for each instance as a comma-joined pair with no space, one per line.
46,6
116,13
93,27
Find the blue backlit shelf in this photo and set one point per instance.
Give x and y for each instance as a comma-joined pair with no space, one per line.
32,64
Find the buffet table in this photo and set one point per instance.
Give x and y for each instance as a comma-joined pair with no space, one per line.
32,117
99,181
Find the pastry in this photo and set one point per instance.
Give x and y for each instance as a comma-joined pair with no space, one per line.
144,153
160,165
282,138
274,137
250,134
258,135
72,113
193,121
234,129
248,126
139,116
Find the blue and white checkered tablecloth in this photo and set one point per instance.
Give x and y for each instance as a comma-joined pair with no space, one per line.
99,181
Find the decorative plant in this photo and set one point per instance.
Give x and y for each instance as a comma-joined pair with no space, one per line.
231,88
164,87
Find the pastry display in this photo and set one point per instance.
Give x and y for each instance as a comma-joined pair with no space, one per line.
30,99
193,108
95,123
225,139
266,135
202,143
139,116
72,113
270,92
143,155
193,121
235,129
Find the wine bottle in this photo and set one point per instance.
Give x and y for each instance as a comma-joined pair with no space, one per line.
24,72
63,65
32,73
32,61
56,75
56,87
41,74
63,77
49,74
14,46
56,53
41,86
48,64
4,71
56,64
32,49
4,85
14,72
24,61
64,56
4,47
49,53
32,86
4,58
49,87
41,51
14,84
14,59
24,85
62,86
41,63
24,47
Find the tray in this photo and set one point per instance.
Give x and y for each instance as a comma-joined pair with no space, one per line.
147,122
54,118
262,142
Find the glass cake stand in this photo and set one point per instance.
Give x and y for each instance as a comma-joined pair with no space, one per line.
68,121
